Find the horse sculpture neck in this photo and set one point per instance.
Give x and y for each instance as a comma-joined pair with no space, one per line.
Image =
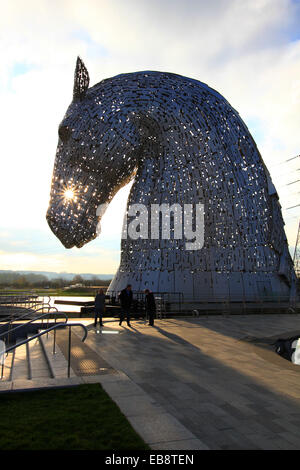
199,151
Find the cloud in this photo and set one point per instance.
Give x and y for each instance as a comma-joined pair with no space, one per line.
248,50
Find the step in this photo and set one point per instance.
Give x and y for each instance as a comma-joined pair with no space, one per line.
57,361
35,360
21,365
38,360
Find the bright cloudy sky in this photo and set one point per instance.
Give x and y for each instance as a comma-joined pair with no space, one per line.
249,50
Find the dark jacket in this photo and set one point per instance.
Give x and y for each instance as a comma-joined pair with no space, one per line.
126,298
150,302
100,302
286,347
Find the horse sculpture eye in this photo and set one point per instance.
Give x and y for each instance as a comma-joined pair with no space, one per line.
64,133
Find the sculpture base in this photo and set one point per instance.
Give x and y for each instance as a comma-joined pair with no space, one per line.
208,286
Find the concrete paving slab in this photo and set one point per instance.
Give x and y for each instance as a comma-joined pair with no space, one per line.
41,383
139,405
122,389
187,444
102,379
160,428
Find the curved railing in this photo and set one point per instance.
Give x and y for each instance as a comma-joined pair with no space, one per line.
13,297
31,321
29,311
20,300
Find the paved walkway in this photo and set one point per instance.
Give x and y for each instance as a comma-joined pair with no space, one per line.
217,377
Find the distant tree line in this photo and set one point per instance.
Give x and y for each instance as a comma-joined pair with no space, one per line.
17,280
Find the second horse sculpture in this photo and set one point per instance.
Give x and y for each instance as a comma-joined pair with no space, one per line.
182,143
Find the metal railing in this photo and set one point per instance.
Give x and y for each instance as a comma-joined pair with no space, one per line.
10,330
41,333
175,303
21,299
164,301
28,312
236,303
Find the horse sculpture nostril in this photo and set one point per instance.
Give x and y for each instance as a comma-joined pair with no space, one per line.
63,234
71,231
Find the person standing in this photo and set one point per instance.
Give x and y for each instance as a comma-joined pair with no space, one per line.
99,307
150,306
126,301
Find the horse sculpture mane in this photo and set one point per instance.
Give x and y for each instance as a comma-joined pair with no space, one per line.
182,143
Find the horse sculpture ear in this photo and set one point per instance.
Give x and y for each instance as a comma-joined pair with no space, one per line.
81,80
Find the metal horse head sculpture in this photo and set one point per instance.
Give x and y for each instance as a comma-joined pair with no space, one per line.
182,143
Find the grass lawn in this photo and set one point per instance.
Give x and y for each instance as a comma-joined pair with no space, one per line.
82,417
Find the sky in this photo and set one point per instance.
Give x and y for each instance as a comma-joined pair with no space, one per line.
248,50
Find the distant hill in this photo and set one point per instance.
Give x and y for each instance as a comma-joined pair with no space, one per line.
54,275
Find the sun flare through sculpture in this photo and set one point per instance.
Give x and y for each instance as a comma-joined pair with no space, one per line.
69,194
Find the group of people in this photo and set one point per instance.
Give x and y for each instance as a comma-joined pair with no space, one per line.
126,298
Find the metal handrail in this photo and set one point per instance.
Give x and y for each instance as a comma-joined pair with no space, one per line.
33,320
19,296
14,301
29,310
54,327
26,314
